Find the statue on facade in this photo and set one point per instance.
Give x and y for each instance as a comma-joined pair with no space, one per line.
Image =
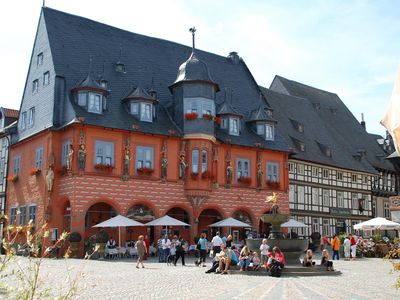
273,199
49,178
70,157
229,173
259,175
182,167
81,157
127,159
164,163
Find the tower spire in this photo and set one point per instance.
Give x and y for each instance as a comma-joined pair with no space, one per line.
193,31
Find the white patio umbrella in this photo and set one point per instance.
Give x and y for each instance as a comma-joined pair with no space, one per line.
230,222
166,221
377,224
292,223
119,221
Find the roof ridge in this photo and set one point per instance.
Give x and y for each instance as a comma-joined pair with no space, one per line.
305,85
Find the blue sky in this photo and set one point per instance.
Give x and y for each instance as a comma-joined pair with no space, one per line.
351,48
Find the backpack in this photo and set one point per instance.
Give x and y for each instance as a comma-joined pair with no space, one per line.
276,269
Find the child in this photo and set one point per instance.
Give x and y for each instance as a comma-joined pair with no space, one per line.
255,261
264,248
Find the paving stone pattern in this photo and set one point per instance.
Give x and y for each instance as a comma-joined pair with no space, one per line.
119,279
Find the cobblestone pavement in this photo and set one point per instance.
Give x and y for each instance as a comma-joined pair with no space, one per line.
119,279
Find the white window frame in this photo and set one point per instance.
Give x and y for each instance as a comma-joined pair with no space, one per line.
386,210
315,196
64,152
325,227
260,129
200,106
39,158
301,194
39,59
13,216
354,201
24,117
32,213
95,103
224,123
325,173
204,161
339,199
134,108
300,169
314,171
104,153
17,164
22,215
269,132
326,198
144,157
354,178
46,78
241,170
272,171
195,161
35,86
234,126
31,117
146,112
339,176
82,99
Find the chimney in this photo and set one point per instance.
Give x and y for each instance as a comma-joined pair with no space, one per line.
363,122
234,57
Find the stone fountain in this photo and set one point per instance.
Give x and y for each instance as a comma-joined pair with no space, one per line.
293,249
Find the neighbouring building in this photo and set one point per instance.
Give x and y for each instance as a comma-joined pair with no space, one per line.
113,122
338,173
8,118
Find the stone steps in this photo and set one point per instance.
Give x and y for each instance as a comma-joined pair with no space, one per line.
291,271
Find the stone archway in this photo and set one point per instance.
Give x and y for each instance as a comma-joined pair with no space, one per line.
181,215
96,214
241,233
208,217
143,214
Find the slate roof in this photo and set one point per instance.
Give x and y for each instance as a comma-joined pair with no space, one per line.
149,62
328,121
11,113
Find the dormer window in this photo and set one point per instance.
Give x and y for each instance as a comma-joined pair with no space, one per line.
224,123
201,106
95,103
82,99
134,108
234,126
146,112
266,130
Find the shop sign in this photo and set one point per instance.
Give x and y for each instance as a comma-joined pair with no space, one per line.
394,203
340,211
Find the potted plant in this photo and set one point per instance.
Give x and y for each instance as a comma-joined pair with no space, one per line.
208,117
101,240
205,175
194,175
273,184
74,239
145,171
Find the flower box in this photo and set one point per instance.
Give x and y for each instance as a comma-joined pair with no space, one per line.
194,175
245,180
191,116
145,171
13,178
208,117
273,184
35,172
104,167
205,175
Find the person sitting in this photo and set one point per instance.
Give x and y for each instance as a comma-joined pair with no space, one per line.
215,264
276,262
226,258
255,260
325,260
237,253
308,259
110,243
278,255
244,258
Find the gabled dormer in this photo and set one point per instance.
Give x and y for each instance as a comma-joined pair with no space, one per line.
263,123
141,105
90,95
230,118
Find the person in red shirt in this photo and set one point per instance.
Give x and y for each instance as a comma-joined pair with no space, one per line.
353,247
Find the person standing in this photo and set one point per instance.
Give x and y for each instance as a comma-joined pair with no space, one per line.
353,247
324,242
216,243
346,248
141,250
264,248
335,242
147,242
180,251
160,249
166,245
203,249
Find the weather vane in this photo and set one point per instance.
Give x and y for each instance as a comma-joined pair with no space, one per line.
193,30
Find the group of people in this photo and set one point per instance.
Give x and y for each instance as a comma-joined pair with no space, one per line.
308,260
349,246
170,250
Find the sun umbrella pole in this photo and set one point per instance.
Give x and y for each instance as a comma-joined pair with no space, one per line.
119,236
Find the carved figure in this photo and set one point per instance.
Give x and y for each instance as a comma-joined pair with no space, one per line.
259,175
182,167
273,199
229,172
81,157
49,179
164,162
70,157
127,159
